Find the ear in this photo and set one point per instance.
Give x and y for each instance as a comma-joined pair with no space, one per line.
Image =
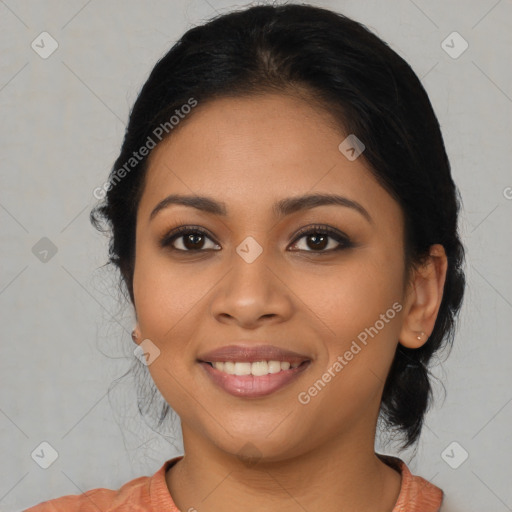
424,299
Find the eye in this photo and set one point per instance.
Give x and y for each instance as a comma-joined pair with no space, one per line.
317,238
190,238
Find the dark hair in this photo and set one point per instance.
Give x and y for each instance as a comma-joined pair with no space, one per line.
338,65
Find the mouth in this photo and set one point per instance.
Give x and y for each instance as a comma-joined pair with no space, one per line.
253,379
256,368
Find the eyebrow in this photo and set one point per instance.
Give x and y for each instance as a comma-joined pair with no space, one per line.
280,208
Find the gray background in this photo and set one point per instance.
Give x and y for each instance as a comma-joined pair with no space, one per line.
65,332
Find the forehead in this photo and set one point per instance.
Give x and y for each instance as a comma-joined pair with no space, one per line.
247,151
271,125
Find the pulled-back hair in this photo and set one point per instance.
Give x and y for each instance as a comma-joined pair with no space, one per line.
339,66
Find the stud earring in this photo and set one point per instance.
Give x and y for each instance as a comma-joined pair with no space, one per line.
421,335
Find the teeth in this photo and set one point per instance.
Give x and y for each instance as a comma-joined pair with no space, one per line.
274,366
257,369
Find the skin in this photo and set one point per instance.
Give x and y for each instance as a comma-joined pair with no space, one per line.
249,153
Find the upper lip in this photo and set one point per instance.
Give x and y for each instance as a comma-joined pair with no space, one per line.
251,354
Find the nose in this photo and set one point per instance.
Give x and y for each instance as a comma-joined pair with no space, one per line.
251,293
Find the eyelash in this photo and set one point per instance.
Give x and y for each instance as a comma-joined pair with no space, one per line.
167,240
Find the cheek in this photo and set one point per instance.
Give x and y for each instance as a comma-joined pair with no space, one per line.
164,293
166,300
361,309
351,296
360,304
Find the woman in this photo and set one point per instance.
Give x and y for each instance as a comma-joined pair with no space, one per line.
285,222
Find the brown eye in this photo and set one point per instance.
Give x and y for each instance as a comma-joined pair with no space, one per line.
193,241
322,239
317,241
187,239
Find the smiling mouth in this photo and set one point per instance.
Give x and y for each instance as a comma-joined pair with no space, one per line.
268,377
257,368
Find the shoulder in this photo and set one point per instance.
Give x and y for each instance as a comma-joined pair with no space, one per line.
139,494
416,493
133,492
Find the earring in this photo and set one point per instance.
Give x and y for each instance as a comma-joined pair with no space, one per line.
421,335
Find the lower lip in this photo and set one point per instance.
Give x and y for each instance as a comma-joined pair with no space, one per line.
250,386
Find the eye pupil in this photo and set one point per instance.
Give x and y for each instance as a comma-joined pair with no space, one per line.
316,244
193,240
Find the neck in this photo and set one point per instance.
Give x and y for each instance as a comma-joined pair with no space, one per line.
341,476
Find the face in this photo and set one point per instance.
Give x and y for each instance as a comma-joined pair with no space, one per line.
321,280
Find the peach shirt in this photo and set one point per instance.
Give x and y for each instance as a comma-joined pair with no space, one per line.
150,494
